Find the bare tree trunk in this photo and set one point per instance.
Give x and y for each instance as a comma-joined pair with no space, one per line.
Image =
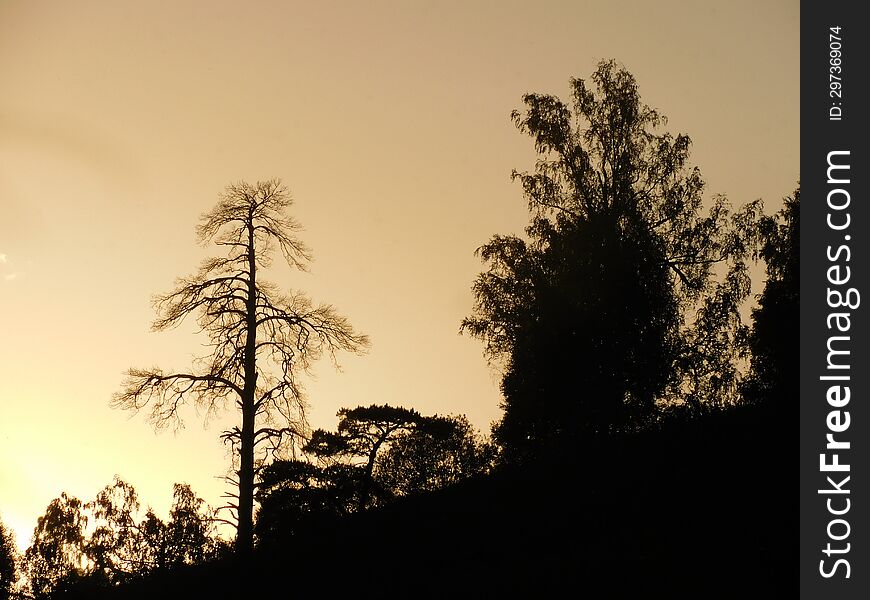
245,533
369,481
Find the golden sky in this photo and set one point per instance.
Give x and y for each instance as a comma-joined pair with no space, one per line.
121,121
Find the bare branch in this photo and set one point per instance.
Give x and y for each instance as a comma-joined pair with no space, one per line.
167,393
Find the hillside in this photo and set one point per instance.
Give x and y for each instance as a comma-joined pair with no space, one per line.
699,509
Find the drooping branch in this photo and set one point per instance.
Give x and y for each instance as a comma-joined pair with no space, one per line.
167,393
214,296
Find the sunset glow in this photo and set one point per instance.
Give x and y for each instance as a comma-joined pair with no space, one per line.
389,122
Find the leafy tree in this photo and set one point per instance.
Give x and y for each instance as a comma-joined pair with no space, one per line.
116,547
439,452
261,341
123,547
55,560
8,560
190,532
378,452
587,316
775,337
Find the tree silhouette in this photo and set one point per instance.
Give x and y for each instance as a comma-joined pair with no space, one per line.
362,433
190,535
775,337
377,454
116,545
80,548
439,452
55,560
587,316
123,547
261,341
8,560
293,491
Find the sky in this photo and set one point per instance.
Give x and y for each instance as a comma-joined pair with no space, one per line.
122,121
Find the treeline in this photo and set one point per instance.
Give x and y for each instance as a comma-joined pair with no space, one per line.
376,455
80,547
619,313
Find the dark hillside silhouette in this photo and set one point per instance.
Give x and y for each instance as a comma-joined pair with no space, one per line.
691,510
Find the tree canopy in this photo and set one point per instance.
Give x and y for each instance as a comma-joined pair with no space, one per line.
55,560
261,341
440,451
8,562
377,454
590,316
362,433
775,337
80,547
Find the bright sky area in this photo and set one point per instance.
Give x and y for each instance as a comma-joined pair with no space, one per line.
122,121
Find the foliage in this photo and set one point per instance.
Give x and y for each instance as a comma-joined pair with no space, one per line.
377,453
261,341
55,559
293,491
588,316
362,433
116,546
775,337
123,547
103,543
8,562
190,533
439,452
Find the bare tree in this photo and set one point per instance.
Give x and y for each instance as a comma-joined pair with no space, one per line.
261,341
